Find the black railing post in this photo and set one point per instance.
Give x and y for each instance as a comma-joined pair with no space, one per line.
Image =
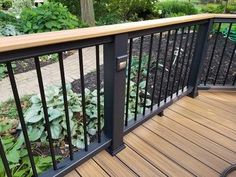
115,61
198,57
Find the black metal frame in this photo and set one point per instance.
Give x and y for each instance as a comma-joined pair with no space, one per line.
115,54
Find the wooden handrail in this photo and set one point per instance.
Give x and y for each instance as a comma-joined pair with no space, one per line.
47,38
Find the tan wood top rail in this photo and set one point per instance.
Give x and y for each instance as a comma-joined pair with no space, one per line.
41,39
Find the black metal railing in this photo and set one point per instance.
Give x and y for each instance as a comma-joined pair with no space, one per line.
219,66
144,72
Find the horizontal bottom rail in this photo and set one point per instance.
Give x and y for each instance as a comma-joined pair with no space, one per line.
156,110
216,87
80,157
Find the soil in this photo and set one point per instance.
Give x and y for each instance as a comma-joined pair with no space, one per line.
91,83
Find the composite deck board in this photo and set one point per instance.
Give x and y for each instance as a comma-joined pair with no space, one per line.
91,169
213,125
195,137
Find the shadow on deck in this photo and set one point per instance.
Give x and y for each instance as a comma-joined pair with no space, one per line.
196,137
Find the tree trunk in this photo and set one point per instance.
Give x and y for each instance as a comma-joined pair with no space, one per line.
87,12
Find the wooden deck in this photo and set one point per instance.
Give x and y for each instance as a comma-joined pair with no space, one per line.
196,137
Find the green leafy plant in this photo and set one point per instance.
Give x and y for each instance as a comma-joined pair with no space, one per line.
18,159
19,5
5,4
174,8
213,8
34,116
9,30
47,17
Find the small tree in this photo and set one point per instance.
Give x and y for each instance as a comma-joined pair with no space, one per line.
87,12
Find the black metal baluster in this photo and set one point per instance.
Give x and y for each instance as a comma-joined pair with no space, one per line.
222,55
212,54
234,80
43,98
138,78
83,98
4,160
164,67
21,117
230,63
155,76
128,82
64,92
170,66
148,70
184,55
177,62
98,93
189,57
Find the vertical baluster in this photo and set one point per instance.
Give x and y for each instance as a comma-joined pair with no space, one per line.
43,98
148,70
155,76
189,57
230,63
182,64
164,67
128,82
212,54
4,160
98,93
177,62
83,98
138,78
234,81
171,63
222,55
21,117
64,92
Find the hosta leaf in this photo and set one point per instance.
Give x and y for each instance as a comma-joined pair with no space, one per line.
92,131
148,102
54,113
142,84
35,99
35,132
56,131
33,119
78,143
13,156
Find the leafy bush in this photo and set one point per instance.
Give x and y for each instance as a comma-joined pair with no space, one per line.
18,159
213,8
174,8
47,17
34,116
9,30
8,25
72,5
231,8
19,5
5,4
131,9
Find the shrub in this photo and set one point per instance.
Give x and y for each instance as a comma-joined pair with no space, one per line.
213,8
132,9
8,26
47,17
72,5
5,4
231,8
174,8
19,5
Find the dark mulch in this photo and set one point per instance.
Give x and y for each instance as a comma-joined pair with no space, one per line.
179,75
